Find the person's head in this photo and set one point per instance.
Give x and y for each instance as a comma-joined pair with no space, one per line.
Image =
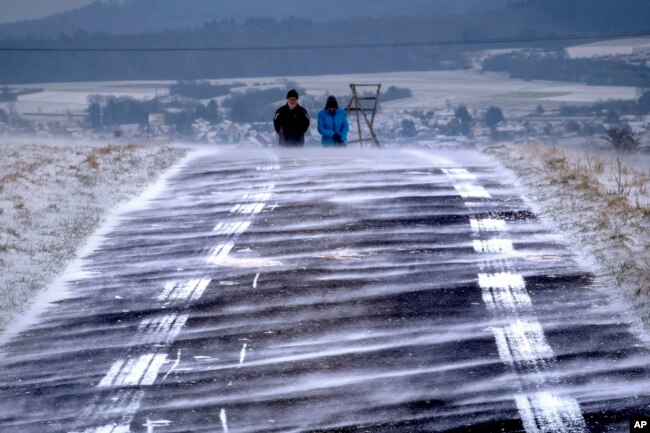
292,98
331,103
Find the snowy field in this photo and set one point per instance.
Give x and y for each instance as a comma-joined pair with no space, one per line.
616,47
431,90
53,197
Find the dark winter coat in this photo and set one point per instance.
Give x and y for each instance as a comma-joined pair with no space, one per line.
333,123
291,125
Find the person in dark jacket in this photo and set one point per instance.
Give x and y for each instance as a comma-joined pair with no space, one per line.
291,121
333,124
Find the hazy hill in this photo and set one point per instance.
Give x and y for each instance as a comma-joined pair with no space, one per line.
521,19
136,16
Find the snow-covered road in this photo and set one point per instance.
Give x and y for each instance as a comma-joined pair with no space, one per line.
328,290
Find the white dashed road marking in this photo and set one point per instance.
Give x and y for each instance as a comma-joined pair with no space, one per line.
499,246
135,371
544,412
220,253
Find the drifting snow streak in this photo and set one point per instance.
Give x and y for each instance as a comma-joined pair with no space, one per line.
224,420
487,225
468,190
369,319
110,429
458,173
242,355
547,413
260,196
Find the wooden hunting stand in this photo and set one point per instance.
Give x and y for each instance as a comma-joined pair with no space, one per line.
355,105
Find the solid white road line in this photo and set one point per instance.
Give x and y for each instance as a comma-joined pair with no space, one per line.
255,281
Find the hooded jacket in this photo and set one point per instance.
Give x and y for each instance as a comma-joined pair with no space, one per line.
333,123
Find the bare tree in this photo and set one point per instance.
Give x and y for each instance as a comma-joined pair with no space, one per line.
621,139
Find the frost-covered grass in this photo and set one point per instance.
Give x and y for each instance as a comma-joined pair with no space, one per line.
52,197
601,200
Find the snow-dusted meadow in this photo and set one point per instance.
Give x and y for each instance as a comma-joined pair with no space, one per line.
52,197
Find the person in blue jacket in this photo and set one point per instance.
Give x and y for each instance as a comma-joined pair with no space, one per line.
333,124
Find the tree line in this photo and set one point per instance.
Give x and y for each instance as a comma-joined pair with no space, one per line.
559,67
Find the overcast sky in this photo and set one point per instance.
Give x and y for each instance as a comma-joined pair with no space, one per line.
16,10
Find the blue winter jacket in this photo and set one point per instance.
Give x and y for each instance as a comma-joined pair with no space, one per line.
333,123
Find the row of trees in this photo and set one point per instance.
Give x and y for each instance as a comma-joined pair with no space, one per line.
557,66
201,89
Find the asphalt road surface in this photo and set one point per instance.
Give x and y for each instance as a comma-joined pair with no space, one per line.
329,290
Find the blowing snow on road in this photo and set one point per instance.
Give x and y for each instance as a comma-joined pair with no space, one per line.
388,290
